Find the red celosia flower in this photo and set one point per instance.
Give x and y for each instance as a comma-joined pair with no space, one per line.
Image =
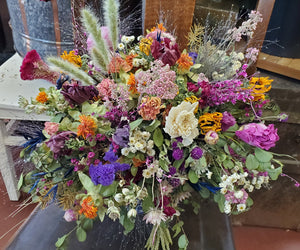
33,67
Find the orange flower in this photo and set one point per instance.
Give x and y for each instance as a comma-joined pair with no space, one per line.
42,97
129,60
72,58
160,26
117,64
137,162
210,121
132,84
150,107
87,126
88,208
184,63
259,86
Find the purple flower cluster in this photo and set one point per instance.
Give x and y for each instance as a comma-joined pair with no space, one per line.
223,92
77,94
258,135
196,153
104,174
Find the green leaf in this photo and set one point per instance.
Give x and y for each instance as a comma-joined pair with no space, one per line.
183,241
274,173
204,192
57,118
86,181
133,170
109,190
87,224
228,164
135,123
252,162
193,176
127,223
158,137
178,163
163,163
177,228
262,155
147,203
74,114
81,234
154,124
20,182
60,241
101,213
249,202
88,108
226,149
233,128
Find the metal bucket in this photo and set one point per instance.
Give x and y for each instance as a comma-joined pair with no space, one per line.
43,26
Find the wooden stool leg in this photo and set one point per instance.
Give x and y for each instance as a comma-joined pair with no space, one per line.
7,166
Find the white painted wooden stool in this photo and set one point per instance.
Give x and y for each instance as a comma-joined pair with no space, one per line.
11,87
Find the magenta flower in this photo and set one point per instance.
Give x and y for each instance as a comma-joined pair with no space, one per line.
192,87
196,153
70,215
227,121
258,135
33,67
165,51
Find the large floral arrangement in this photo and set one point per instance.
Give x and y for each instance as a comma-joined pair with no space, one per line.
140,127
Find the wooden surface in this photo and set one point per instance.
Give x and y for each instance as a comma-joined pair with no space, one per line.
280,65
177,16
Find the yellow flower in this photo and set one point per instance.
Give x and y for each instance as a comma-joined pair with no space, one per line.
259,86
86,127
145,45
42,97
184,63
160,26
88,208
192,99
210,121
72,58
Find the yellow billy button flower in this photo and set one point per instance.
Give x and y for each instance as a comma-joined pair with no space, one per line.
259,86
210,121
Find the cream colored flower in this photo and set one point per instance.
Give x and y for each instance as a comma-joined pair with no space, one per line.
181,121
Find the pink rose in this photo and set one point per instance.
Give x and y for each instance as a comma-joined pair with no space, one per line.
258,135
104,88
51,128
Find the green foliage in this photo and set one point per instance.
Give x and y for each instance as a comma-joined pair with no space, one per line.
183,242
158,137
81,234
126,222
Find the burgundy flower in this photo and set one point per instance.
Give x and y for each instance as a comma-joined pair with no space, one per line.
165,51
192,87
258,135
169,211
227,121
57,142
33,67
77,94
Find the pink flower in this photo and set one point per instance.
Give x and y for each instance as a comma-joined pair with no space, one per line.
104,88
258,135
211,137
105,35
70,215
51,128
33,67
192,87
227,121
69,183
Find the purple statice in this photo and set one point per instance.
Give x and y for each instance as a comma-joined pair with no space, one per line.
56,143
227,121
102,174
110,155
120,166
77,94
174,182
172,170
121,135
177,154
224,92
196,153
115,115
158,81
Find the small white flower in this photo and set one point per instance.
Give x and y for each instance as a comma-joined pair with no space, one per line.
223,190
250,188
125,39
239,194
119,197
139,38
125,151
147,173
135,62
121,46
209,174
125,191
241,207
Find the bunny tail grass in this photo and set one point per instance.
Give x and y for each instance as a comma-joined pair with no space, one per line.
72,70
111,17
98,59
90,23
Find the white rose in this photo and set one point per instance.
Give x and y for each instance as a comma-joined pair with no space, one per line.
181,121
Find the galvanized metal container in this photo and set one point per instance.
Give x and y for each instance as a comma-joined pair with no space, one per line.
43,26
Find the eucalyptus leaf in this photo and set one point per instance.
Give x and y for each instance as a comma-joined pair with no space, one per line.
81,234
74,114
87,224
101,213
60,241
86,181
154,124
158,137
274,173
252,162
135,123
109,190
193,176
262,155
183,241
